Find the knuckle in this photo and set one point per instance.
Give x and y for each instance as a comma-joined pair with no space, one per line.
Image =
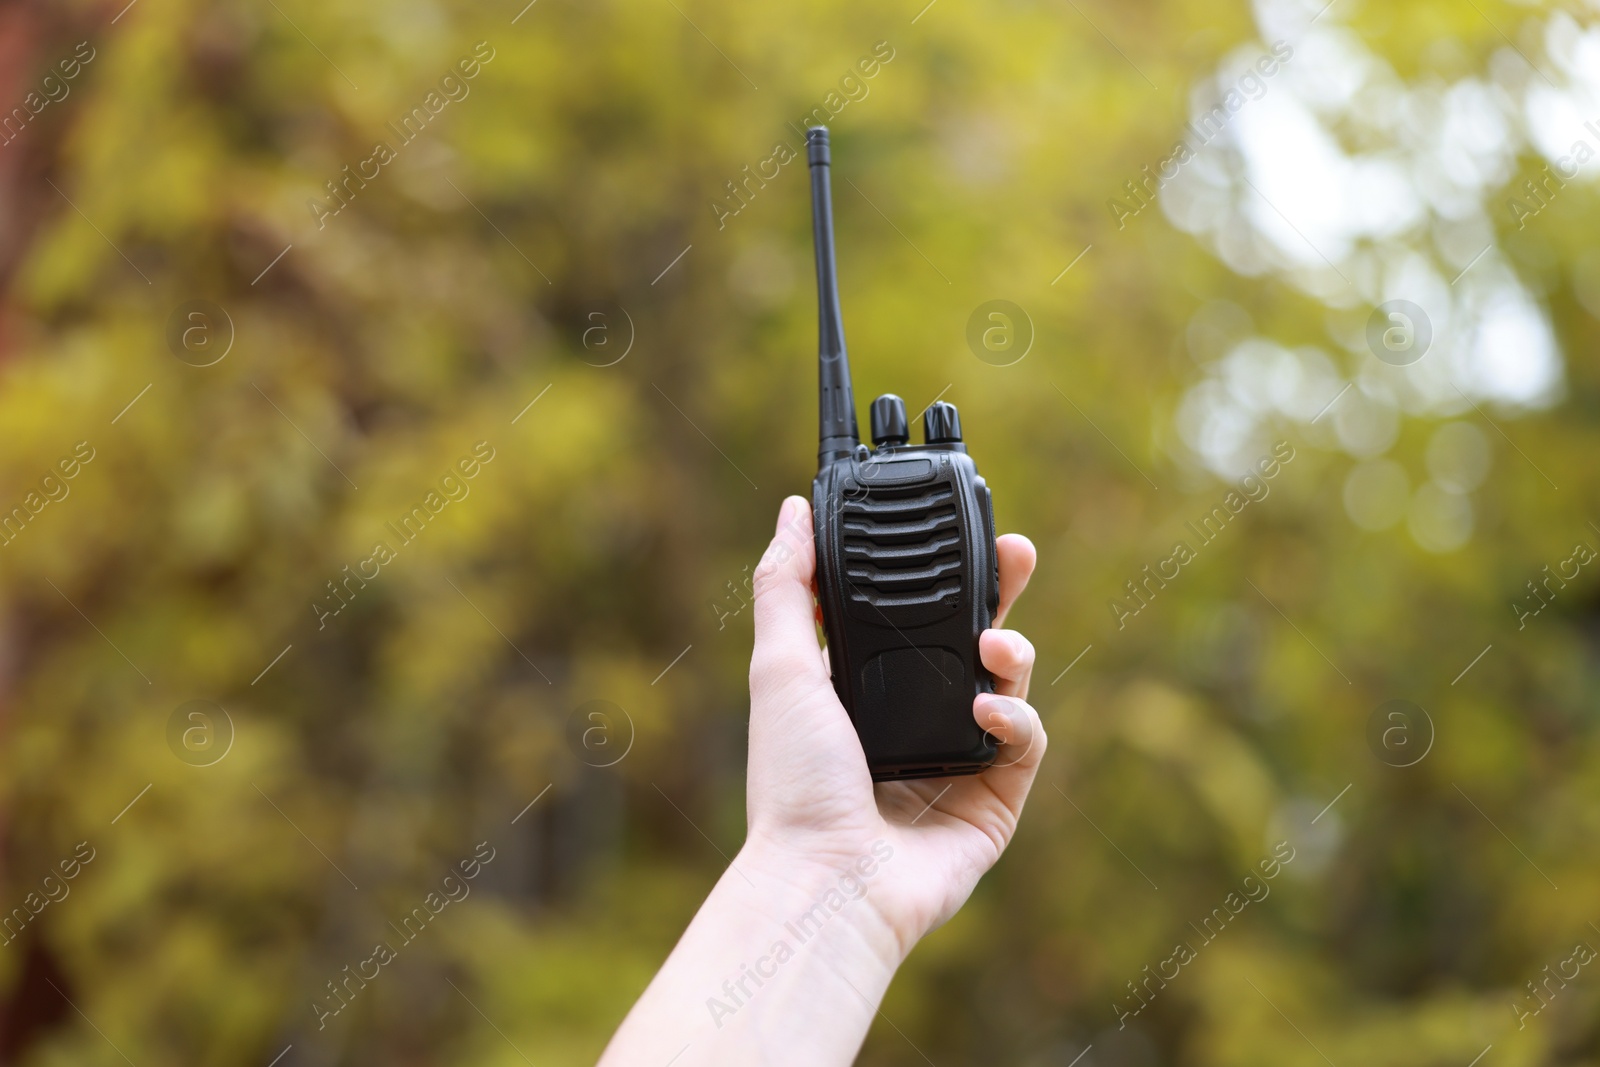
774,672
1038,740
1025,651
770,573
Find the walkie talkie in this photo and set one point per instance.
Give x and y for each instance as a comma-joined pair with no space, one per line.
907,572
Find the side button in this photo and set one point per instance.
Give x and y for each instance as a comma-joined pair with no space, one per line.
994,556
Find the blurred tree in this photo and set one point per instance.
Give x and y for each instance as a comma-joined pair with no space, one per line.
575,171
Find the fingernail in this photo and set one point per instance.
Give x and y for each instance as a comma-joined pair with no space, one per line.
995,714
787,512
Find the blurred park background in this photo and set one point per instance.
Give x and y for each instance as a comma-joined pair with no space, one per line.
275,271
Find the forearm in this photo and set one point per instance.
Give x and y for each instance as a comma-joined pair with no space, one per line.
774,969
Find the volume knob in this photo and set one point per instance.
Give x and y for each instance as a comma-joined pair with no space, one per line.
889,421
942,424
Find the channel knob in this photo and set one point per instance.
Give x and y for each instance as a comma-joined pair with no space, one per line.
889,421
942,424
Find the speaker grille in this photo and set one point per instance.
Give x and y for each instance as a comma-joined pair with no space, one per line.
902,547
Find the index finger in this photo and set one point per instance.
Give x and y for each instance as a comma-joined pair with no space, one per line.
1017,558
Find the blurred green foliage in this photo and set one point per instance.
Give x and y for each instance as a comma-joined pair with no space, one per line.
612,529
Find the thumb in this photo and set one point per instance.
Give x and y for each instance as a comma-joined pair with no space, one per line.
786,635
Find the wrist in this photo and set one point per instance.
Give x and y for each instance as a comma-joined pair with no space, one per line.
832,899
785,964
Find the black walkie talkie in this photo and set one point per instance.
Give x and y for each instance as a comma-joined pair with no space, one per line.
907,571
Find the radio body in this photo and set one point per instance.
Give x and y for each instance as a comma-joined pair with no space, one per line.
907,573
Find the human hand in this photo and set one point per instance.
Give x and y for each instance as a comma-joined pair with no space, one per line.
812,807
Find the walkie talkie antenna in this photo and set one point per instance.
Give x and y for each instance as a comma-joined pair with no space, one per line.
837,434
